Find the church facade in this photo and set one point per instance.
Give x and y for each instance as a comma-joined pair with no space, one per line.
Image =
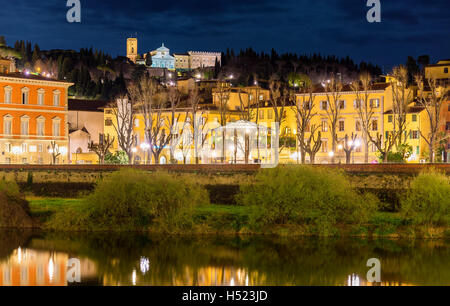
163,59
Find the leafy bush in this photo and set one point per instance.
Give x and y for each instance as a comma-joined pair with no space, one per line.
428,200
118,158
14,209
133,199
306,195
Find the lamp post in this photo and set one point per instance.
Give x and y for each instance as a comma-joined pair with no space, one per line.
340,147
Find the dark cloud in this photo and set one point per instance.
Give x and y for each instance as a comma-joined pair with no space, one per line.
336,27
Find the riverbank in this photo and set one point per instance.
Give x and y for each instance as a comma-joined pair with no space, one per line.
217,219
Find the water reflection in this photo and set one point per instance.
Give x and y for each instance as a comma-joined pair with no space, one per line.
131,259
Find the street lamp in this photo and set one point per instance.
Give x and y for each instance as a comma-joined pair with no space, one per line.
145,146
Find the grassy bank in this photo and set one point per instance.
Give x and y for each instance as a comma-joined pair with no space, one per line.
282,201
231,220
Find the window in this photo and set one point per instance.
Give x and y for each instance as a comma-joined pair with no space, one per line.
324,105
108,122
8,91
342,104
7,125
261,114
414,134
136,122
40,126
24,148
24,125
374,103
390,118
40,148
447,126
374,148
417,150
357,103
8,147
445,70
270,114
341,125
324,146
56,96
40,100
324,126
414,118
358,126
375,125
25,94
56,127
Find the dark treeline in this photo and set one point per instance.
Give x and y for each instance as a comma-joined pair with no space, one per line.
97,75
248,65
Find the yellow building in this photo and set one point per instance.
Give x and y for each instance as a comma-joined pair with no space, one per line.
416,121
440,70
182,61
183,150
242,97
349,121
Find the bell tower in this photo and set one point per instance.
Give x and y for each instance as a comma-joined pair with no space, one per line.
132,49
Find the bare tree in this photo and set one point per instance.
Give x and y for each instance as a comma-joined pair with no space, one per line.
125,114
333,89
55,151
402,97
174,97
364,108
385,145
304,115
431,96
349,146
198,120
102,148
222,93
279,98
312,144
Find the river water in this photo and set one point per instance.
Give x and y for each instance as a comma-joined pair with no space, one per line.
48,259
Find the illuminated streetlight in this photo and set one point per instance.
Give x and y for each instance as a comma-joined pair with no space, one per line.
331,154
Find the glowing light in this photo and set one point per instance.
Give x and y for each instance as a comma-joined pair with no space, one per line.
144,264
340,147
16,150
134,150
51,269
331,154
133,277
357,143
63,150
145,146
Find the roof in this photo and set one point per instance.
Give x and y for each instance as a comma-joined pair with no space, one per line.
87,105
410,110
162,48
19,75
318,88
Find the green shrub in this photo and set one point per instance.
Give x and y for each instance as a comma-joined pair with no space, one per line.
306,195
427,202
132,199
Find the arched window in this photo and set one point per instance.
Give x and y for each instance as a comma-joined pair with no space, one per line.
56,97
40,96
56,126
8,94
7,124
40,126
24,125
79,150
25,95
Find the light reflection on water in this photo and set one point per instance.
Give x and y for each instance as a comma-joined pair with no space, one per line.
130,259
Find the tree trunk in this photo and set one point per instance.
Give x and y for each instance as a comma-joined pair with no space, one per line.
348,156
366,150
431,148
312,158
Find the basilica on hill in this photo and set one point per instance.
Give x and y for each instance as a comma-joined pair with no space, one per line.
161,57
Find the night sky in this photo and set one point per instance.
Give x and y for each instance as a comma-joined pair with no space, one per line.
408,27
